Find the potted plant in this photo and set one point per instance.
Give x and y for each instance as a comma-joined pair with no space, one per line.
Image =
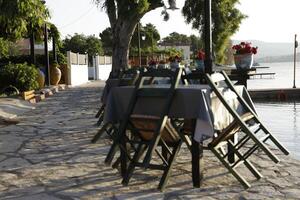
199,61
162,64
152,63
243,56
174,61
41,78
55,73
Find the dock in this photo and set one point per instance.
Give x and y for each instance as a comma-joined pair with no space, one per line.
276,94
265,75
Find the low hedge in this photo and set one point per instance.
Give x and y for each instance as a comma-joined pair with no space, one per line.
22,76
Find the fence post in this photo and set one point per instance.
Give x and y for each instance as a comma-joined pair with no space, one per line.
97,67
69,65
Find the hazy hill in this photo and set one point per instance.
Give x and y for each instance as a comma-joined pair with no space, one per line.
272,52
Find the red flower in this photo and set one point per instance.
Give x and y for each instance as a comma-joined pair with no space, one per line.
152,62
200,55
244,48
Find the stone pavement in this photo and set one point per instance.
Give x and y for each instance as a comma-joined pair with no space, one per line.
48,155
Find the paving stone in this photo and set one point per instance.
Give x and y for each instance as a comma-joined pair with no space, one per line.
2,157
38,197
292,193
10,143
13,163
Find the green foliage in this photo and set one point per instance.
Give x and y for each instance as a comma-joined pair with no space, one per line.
3,48
106,39
149,37
7,48
196,43
226,20
21,76
80,43
176,38
19,17
40,59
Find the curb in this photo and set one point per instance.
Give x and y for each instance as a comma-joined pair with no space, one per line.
44,93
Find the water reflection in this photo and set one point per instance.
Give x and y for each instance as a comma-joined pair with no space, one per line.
281,119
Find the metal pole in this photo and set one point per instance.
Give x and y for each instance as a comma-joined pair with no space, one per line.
139,41
295,59
54,49
46,55
32,53
207,36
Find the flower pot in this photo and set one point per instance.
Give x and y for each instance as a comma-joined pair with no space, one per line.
174,65
243,61
55,75
199,64
41,79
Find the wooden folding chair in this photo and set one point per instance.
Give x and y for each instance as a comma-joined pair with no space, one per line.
126,78
149,132
254,133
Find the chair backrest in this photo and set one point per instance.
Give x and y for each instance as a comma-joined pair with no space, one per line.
220,81
147,77
128,77
195,77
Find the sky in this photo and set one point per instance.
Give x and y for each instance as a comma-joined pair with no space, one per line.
268,20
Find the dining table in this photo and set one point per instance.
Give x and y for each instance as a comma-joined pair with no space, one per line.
195,102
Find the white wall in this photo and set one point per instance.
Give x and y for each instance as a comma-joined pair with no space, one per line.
102,71
77,69
103,67
78,74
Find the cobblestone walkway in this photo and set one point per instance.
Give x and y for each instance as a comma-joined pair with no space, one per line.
49,156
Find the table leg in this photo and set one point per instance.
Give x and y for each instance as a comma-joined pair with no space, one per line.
197,161
231,155
123,157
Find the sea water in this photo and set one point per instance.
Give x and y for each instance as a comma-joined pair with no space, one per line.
283,78
282,118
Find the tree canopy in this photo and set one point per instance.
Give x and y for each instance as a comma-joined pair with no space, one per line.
18,17
80,43
226,20
123,16
177,38
106,39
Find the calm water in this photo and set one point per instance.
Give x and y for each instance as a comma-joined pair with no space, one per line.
283,78
283,119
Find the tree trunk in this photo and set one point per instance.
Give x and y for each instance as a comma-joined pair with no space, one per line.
122,34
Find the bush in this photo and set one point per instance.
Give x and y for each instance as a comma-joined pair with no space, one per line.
22,76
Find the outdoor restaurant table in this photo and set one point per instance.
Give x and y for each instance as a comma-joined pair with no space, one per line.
111,83
189,102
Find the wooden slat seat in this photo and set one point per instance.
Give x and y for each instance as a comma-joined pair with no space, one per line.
148,124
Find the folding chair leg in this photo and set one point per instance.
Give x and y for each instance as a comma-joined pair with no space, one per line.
167,171
140,150
231,155
247,163
99,133
111,154
101,109
116,163
232,171
275,141
100,120
254,171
